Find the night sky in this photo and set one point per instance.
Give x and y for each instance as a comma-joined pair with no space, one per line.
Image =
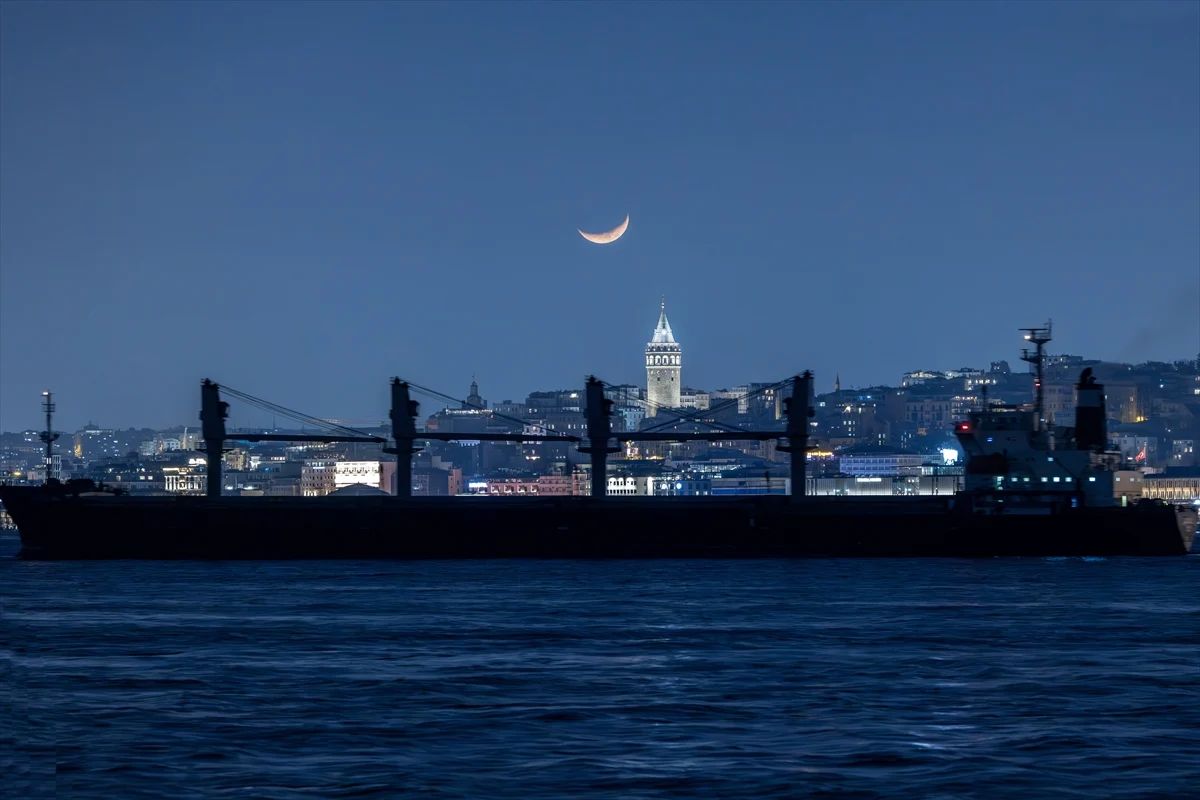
302,200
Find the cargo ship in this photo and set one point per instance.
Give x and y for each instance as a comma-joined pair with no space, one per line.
1031,489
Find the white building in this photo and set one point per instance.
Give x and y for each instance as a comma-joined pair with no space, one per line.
1181,489
879,486
918,377
185,480
878,465
628,486
41,473
348,473
317,477
663,364
1143,450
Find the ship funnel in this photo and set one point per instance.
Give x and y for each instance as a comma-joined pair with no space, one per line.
1091,427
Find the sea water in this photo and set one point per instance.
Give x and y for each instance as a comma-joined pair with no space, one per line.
937,678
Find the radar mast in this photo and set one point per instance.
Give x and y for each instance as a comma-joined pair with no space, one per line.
1038,337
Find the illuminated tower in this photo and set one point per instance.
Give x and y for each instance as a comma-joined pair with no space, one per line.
663,361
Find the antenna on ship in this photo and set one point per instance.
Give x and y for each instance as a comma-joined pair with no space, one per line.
1038,337
49,436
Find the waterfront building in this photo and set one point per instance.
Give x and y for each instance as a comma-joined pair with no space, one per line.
1178,485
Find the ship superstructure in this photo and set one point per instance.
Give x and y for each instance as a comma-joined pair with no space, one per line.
1013,460
1018,461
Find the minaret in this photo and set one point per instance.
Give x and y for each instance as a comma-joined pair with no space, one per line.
663,362
837,383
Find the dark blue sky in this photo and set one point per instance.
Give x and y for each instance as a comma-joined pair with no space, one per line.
301,200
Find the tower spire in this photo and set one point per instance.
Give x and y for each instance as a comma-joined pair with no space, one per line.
662,331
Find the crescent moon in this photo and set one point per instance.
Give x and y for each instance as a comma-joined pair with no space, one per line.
607,236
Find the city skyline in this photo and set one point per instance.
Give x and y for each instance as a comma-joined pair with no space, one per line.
303,202
662,336
1142,416
662,339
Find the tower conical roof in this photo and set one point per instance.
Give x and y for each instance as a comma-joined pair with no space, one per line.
662,333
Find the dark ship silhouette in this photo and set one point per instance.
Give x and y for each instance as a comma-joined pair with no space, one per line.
1031,490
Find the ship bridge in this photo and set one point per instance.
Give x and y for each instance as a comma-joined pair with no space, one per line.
1011,450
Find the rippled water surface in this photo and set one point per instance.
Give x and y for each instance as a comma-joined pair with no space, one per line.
830,678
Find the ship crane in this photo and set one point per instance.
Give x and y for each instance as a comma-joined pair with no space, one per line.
214,411
797,413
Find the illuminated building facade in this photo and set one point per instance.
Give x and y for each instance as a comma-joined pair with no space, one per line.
348,473
663,364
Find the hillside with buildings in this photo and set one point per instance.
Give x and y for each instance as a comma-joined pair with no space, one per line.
895,439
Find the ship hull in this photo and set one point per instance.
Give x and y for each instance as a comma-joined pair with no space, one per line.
55,526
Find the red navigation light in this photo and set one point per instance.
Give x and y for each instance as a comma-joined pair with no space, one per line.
964,426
